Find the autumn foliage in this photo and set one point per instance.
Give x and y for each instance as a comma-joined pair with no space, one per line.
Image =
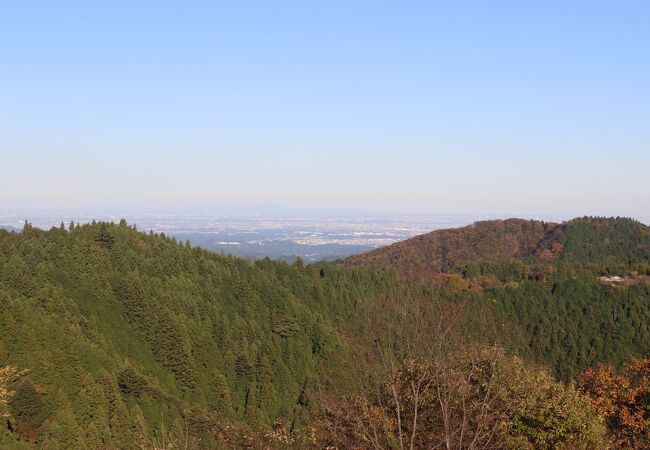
478,399
624,399
425,386
7,375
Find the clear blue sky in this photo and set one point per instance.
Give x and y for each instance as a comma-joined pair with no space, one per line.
404,106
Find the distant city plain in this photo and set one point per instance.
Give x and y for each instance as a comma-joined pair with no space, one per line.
276,233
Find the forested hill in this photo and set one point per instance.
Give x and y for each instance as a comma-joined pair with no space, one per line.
130,338
584,240
125,333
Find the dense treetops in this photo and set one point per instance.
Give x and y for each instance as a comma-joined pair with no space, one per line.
125,332
131,338
544,277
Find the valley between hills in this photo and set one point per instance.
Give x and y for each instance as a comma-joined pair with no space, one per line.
512,333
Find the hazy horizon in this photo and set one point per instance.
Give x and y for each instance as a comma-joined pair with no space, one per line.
282,210
272,231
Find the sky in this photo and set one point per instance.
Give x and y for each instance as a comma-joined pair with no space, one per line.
436,106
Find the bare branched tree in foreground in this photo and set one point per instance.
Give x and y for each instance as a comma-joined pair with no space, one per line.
423,386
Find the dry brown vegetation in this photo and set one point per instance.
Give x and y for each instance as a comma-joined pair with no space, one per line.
424,386
8,374
584,240
486,241
624,399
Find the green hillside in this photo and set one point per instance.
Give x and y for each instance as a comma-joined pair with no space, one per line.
130,336
124,331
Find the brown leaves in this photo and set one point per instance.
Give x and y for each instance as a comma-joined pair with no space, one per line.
476,398
624,399
8,374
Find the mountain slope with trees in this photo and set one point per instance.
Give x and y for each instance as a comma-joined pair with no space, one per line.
585,240
545,277
125,332
115,338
